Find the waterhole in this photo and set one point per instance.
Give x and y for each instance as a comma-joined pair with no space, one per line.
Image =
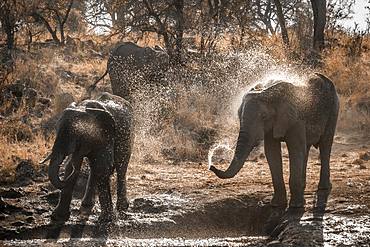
160,220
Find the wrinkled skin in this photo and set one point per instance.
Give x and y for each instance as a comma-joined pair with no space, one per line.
132,67
301,116
100,130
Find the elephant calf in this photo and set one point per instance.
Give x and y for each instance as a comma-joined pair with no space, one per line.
100,130
302,116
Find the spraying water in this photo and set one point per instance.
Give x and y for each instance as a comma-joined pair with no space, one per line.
205,94
224,146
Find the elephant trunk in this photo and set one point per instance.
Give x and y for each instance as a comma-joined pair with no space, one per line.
53,172
243,148
56,160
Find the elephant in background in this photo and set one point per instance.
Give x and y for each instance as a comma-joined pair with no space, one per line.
302,116
132,67
102,131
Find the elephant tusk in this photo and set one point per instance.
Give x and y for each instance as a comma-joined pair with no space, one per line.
46,159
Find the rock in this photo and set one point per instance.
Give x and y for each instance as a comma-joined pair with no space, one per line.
362,166
30,219
13,95
2,204
18,223
358,161
365,156
24,173
29,97
363,104
11,193
44,101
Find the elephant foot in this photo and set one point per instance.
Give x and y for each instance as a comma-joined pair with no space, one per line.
279,202
273,220
122,206
106,218
60,217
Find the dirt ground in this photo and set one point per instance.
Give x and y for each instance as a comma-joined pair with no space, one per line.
184,204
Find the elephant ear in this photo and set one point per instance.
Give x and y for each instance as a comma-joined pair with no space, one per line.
104,118
286,115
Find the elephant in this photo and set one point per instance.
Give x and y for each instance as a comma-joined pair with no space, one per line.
299,115
102,131
132,67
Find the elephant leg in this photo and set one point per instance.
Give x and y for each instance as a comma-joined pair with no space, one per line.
305,167
105,198
296,143
102,166
88,200
122,202
273,156
325,150
62,212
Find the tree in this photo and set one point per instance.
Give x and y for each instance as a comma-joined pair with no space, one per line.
53,14
319,21
281,19
12,13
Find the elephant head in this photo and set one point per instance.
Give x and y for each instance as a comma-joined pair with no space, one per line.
156,58
259,113
80,130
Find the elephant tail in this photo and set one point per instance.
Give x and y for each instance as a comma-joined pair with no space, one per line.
93,86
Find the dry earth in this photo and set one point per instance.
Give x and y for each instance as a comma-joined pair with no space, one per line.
177,204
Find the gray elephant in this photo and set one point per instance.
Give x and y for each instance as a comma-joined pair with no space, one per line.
302,116
100,130
132,67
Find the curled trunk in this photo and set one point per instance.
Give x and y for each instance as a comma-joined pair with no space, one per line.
242,151
54,167
53,172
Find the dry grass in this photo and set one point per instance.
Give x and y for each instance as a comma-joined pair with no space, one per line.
11,152
202,110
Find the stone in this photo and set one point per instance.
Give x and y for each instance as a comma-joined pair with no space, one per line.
365,156
24,173
11,193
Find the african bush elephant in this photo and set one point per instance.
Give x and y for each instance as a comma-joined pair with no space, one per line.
132,67
102,131
302,116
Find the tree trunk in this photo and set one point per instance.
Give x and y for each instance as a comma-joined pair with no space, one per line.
9,37
179,5
38,17
319,22
280,15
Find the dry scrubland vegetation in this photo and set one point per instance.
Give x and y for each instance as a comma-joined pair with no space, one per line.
199,110
220,47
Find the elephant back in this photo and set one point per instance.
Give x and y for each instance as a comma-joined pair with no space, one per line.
122,113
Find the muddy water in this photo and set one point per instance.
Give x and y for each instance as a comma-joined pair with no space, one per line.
241,241
174,220
162,219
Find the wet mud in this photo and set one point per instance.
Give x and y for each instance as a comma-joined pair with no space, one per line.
185,205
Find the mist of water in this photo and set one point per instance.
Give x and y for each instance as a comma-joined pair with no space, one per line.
206,93
222,146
